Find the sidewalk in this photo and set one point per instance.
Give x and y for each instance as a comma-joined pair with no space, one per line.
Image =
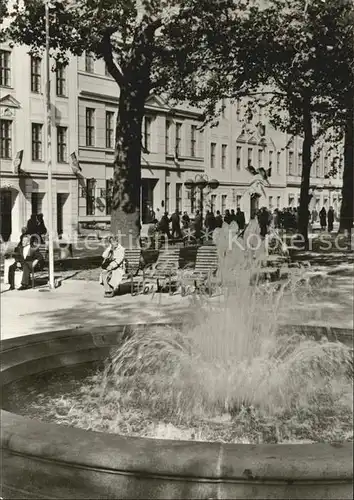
81,304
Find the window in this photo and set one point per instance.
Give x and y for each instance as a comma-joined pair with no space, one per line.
318,167
260,157
238,110
270,202
6,139
90,196
212,154
299,162
249,157
147,133
109,129
167,197
193,141
223,156
270,159
109,196
89,63
213,202
90,127
326,165
36,74
223,107
37,141
168,137
223,203
179,196
178,139
238,201
62,144
238,157
5,68
278,162
278,201
291,162
61,80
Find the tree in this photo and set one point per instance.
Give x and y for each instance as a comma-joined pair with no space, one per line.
148,46
306,74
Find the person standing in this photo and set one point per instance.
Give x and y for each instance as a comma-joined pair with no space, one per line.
323,218
176,225
263,221
164,225
198,225
240,219
218,219
227,216
330,219
185,220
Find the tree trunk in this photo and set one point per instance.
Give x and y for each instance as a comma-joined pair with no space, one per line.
305,174
125,216
347,208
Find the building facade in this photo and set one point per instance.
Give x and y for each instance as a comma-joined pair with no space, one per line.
175,149
23,184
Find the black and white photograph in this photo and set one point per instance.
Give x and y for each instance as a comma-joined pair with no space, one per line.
176,249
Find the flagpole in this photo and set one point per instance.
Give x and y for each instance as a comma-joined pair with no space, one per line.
49,150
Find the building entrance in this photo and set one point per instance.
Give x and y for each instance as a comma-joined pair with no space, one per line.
5,214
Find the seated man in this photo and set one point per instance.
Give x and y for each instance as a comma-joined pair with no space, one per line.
113,267
26,256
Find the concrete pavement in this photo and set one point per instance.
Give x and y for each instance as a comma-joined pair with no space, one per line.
81,304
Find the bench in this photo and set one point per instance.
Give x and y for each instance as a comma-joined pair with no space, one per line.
165,268
206,265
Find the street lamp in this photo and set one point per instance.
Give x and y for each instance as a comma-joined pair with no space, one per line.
49,149
202,181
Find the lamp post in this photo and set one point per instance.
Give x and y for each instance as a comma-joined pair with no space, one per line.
49,149
202,181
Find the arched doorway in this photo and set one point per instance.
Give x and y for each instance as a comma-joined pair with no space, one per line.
5,214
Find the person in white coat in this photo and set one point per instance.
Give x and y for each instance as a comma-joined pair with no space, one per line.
113,267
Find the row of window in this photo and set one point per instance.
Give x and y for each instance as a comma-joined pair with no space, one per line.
261,160
317,171
36,74
37,141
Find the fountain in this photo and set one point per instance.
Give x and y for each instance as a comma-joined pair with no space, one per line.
185,373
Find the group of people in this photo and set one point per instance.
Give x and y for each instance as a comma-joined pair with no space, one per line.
288,218
26,255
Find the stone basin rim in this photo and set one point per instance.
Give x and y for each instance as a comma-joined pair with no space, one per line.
195,460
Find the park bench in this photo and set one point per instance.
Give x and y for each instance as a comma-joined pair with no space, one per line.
133,264
206,265
164,269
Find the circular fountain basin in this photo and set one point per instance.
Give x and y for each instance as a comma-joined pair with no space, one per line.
41,460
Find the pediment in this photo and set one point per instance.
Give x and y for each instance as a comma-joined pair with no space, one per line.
156,102
241,137
9,102
253,140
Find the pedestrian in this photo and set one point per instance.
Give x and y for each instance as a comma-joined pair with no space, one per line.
176,225
185,220
198,225
233,216
240,219
263,221
330,219
314,216
276,219
227,216
323,218
41,229
164,225
218,219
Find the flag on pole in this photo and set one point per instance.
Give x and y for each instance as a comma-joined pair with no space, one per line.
74,163
251,170
17,162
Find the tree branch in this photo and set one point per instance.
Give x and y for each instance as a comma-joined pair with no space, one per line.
108,58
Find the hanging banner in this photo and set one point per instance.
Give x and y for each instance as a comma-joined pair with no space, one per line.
16,164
